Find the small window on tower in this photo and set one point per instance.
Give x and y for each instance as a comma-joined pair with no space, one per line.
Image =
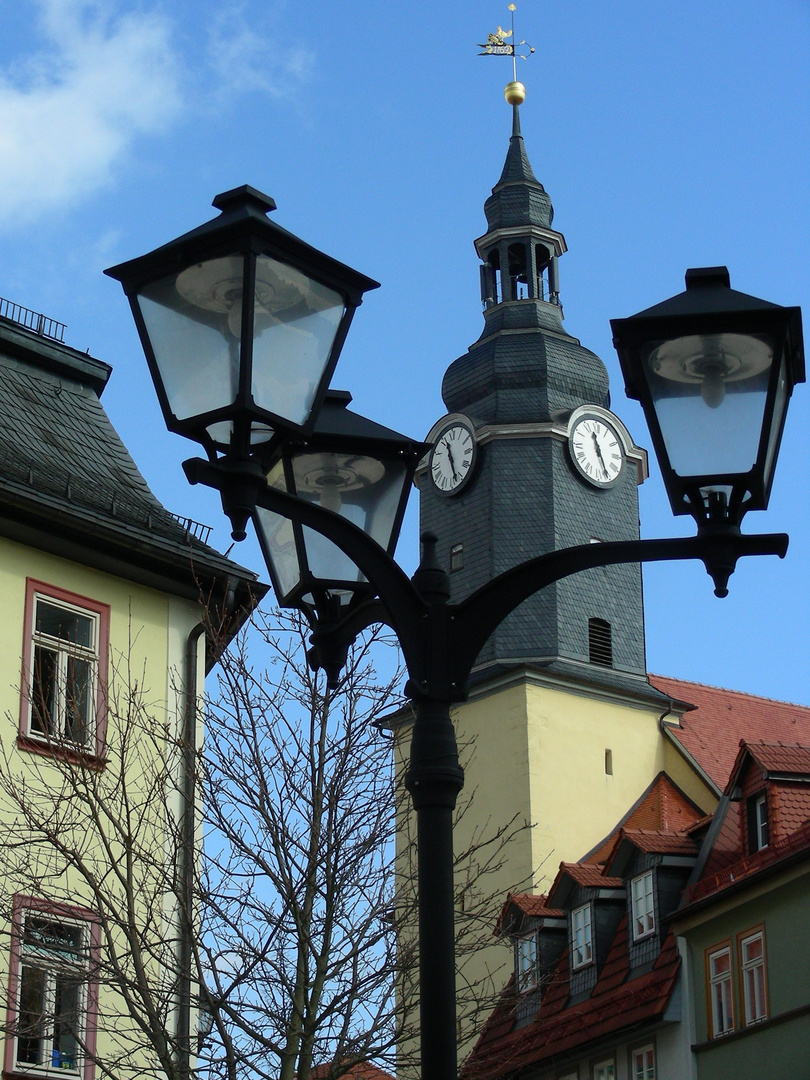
456,557
600,644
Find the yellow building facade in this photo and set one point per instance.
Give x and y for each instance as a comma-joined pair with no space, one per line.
109,603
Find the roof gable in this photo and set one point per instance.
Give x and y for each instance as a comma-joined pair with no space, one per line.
662,807
710,730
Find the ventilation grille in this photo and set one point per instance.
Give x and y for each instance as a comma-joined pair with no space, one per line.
600,643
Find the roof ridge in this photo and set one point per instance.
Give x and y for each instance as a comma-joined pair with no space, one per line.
728,690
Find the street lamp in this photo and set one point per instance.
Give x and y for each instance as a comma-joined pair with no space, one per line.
313,493
714,369
242,324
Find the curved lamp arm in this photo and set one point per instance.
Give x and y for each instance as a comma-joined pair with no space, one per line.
400,605
480,614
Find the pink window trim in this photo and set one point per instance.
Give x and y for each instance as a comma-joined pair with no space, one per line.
53,748
21,906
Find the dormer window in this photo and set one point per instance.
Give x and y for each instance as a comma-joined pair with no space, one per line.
526,960
581,937
757,822
643,905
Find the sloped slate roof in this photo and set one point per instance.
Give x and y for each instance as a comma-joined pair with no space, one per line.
57,440
711,732
68,483
58,446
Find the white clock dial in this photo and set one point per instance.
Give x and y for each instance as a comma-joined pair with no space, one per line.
596,451
452,458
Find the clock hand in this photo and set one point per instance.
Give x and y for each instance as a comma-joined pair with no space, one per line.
450,458
599,453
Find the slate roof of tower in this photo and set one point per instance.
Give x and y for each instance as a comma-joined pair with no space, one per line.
711,730
64,470
518,198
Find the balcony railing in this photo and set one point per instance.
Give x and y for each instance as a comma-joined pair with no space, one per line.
32,320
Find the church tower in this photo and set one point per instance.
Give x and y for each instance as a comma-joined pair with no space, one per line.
530,459
561,731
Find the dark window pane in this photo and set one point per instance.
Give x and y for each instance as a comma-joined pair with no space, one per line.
43,690
67,625
31,1021
66,1022
77,705
44,937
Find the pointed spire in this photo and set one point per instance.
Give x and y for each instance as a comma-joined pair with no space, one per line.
517,168
518,198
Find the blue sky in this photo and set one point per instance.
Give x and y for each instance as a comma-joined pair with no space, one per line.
668,135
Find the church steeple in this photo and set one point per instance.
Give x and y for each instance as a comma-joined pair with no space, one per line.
519,251
518,398
534,376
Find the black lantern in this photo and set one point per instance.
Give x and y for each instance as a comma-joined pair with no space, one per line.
242,324
353,467
714,370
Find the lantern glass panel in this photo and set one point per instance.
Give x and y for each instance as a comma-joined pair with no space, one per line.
779,408
278,536
279,544
362,489
296,321
197,355
709,392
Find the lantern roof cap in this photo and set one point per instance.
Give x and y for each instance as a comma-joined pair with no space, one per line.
335,419
243,214
708,291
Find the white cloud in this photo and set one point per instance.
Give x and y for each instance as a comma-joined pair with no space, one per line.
247,55
70,110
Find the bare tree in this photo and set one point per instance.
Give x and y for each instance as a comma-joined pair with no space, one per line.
90,889
276,913
299,809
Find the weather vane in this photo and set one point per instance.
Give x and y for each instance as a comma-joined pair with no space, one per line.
497,45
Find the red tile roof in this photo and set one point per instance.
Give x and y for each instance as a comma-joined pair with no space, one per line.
614,1005
364,1070
733,875
657,823
658,842
663,806
527,904
790,759
711,733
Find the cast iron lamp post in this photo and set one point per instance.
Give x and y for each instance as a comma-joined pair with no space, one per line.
326,490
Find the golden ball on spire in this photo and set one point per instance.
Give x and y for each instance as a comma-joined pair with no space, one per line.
515,93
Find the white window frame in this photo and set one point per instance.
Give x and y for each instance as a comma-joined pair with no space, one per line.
51,661
721,991
760,809
581,937
642,896
642,1063
605,1070
752,975
42,971
67,654
527,954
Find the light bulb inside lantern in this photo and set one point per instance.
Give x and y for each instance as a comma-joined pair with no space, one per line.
713,388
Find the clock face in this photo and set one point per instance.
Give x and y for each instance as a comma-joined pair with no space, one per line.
596,451
452,458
